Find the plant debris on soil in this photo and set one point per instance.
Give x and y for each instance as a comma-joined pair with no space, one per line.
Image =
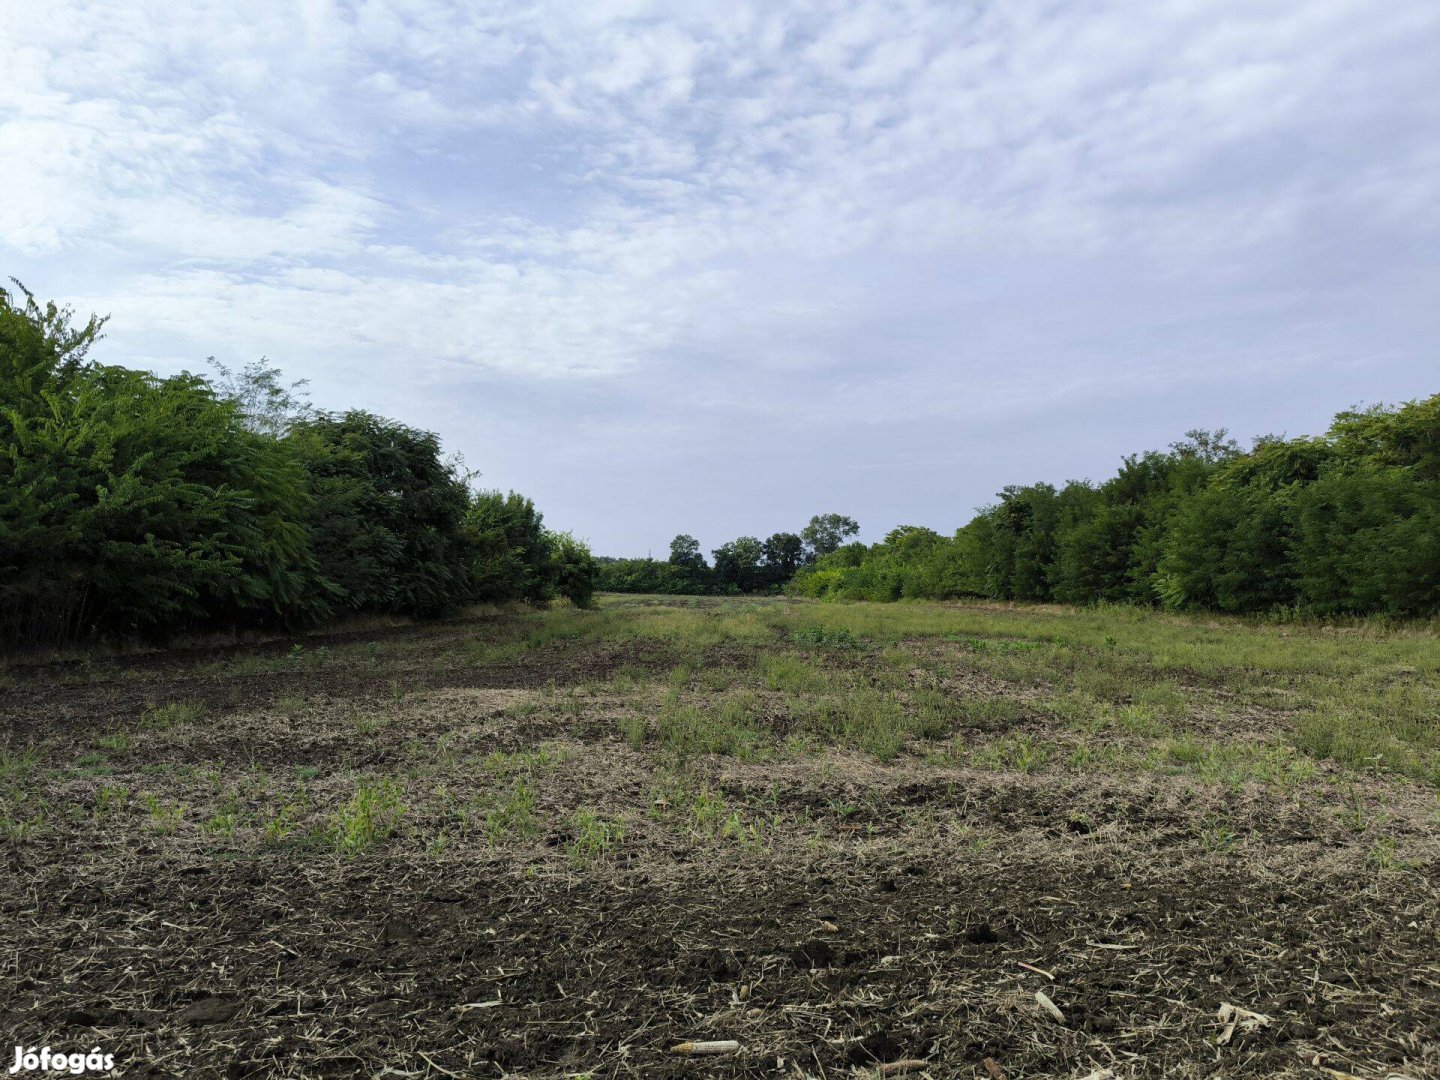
489,848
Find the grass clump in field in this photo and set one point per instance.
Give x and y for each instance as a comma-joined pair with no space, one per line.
592,837
171,715
373,814
728,729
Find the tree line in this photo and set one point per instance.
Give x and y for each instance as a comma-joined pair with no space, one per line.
135,505
744,565
1343,523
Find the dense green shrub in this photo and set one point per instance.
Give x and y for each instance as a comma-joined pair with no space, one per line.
1347,523
130,503
138,505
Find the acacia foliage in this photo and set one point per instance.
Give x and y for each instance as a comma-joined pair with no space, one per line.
1343,523
137,505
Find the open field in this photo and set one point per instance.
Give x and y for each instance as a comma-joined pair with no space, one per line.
561,843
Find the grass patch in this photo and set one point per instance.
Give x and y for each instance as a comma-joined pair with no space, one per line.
592,837
373,814
172,715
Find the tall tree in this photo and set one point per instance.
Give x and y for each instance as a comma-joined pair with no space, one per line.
826,532
685,551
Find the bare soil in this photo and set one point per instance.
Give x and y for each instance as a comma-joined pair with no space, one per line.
877,919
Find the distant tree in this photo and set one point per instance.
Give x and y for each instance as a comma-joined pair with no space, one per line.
737,564
511,548
572,568
685,551
268,405
784,552
826,532
1211,447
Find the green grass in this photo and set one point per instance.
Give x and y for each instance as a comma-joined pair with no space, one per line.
592,837
174,714
728,729
373,814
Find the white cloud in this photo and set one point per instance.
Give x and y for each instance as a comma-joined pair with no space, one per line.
866,208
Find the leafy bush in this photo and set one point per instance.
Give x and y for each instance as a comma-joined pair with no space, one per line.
1347,523
137,505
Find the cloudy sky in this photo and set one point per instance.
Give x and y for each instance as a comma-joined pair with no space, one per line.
716,267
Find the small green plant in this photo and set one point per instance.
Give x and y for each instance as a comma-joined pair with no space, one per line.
826,637
1022,753
1385,855
110,801
593,837
283,823
222,824
165,816
633,730
116,742
373,813
171,715
16,762
512,815
22,814
1217,835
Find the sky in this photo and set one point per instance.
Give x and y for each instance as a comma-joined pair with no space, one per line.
714,268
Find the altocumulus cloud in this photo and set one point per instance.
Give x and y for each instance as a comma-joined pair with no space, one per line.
715,267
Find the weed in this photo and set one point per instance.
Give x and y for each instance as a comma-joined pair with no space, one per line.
593,837
371,815
17,762
1020,753
110,801
1384,855
826,637
165,816
512,815
504,764
172,715
634,730
1216,834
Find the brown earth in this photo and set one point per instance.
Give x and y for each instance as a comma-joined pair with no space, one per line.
873,915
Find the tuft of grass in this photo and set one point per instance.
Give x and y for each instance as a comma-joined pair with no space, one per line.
116,742
373,814
503,764
593,837
165,816
17,762
110,801
1020,753
634,731
171,715
511,815
792,674
825,637
729,729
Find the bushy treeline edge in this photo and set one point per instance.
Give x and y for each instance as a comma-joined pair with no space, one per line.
138,506
1346,523
744,565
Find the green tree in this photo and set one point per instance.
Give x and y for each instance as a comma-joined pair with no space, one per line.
389,519
685,551
737,564
826,532
783,553
512,552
